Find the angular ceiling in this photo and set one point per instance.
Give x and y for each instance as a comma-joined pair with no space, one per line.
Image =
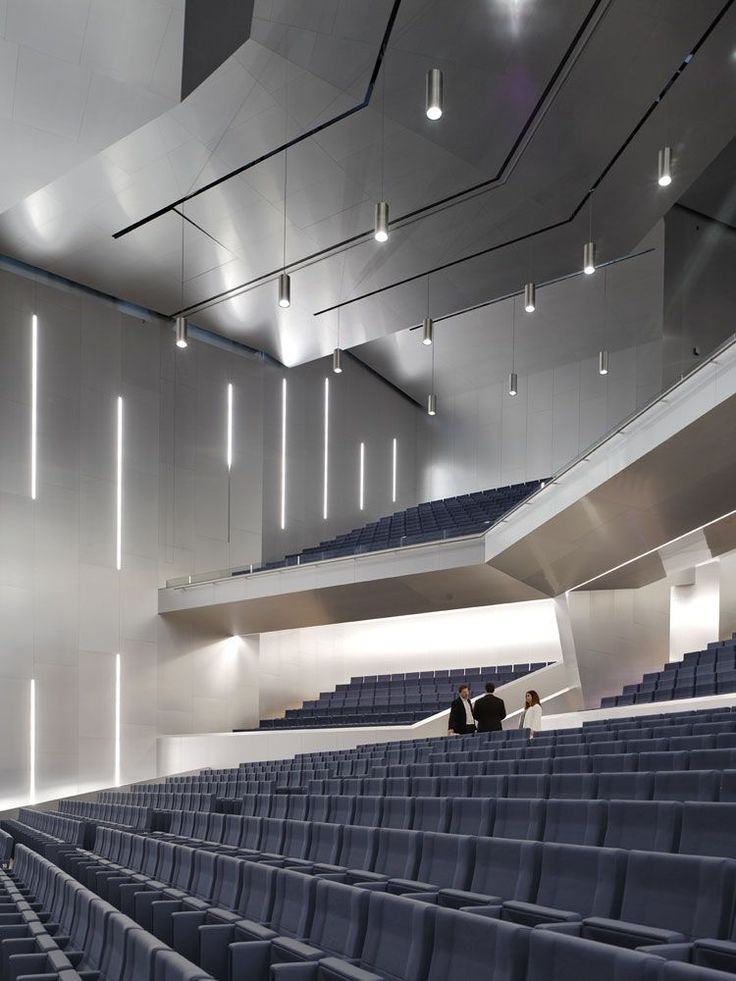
542,103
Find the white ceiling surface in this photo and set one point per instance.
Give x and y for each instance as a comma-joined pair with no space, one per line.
497,57
76,75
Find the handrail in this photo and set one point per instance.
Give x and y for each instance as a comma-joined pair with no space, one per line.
221,575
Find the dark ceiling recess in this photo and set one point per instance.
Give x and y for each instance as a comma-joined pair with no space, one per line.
212,31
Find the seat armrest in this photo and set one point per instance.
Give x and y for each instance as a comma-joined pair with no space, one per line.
670,952
492,912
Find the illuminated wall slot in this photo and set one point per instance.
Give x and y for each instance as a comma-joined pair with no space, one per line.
34,403
283,454
32,742
117,720
229,427
119,496
393,469
326,463
362,475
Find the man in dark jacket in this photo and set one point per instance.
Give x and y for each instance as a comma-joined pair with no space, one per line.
490,711
462,718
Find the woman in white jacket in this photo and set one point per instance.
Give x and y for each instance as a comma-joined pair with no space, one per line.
531,716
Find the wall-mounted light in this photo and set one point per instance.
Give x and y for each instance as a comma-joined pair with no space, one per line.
119,489
117,720
381,224
361,489
34,403
229,447
283,454
434,94
664,167
325,470
181,332
530,297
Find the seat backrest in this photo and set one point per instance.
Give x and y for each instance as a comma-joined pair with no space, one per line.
519,818
582,879
556,957
575,822
690,894
433,814
647,825
625,786
296,838
324,842
397,938
204,875
708,829
397,853
368,811
446,860
257,892
293,903
358,847
339,920
506,868
467,946
398,812
687,785
471,816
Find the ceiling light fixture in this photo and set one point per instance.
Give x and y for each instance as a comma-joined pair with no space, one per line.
428,331
432,405
284,290
664,167
381,226
603,362
530,297
337,361
513,380
181,332
589,258
433,104
284,278
380,232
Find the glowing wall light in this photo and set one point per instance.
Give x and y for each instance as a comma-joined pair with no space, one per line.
117,720
119,499
325,471
34,402
393,469
362,476
283,453
32,742
229,451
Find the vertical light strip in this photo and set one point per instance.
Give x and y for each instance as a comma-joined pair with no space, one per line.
362,475
393,470
325,473
117,720
32,743
283,454
34,402
119,502
229,427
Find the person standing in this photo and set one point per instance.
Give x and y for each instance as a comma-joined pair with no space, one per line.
462,719
489,710
531,716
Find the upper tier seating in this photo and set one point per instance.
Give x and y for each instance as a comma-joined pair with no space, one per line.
394,699
699,673
452,517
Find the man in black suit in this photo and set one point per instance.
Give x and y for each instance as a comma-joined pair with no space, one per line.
490,711
462,718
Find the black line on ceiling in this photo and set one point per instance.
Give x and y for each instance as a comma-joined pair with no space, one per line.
284,146
432,206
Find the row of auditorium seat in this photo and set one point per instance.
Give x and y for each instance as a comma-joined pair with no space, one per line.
450,517
69,933
6,848
699,674
394,699
43,832
124,815
162,800
691,828
634,898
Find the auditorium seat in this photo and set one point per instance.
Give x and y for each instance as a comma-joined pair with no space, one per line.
644,825
503,869
577,822
555,957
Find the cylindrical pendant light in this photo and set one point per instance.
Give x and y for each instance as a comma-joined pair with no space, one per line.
181,332
337,361
433,106
428,332
381,228
664,167
513,384
284,290
530,297
432,405
589,258
603,362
